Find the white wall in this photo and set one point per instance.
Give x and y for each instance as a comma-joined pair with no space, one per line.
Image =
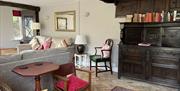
98,26
47,19
0,26
6,30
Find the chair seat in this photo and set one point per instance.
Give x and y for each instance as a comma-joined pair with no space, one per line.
74,84
97,58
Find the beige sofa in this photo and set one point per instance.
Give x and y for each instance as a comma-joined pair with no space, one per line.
56,43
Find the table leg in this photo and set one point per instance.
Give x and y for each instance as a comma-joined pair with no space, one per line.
37,83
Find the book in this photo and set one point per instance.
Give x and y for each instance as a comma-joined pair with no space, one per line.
135,17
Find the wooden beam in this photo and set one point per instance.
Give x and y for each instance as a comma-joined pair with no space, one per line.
18,5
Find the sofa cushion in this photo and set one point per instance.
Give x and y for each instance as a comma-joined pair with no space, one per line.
33,54
41,39
11,58
56,42
47,43
74,83
61,42
55,51
68,41
34,43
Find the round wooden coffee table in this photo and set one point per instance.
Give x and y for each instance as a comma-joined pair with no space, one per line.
36,70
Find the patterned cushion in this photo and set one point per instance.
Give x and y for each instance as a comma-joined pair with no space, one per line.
63,43
106,54
41,39
74,83
56,42
34,43
47,43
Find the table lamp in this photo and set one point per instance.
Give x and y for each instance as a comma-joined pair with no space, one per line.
36,26
80,41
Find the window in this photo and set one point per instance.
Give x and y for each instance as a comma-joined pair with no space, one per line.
28,20
17,24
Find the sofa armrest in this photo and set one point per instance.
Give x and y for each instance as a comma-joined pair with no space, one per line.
22,47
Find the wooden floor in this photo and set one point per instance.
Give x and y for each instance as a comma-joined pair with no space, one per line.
8,51
106,81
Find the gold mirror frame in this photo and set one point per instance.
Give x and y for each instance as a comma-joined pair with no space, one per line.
64,23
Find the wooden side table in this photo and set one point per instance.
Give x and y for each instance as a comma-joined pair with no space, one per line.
36,70
80,60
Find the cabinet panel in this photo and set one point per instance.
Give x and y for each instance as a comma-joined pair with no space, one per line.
145,6
160,5
132,35
132,62
171,37
157,64
126,7
164,73
174,4
153,36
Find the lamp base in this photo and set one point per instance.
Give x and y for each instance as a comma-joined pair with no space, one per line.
80,49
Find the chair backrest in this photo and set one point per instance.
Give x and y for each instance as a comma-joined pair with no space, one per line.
66,69
110,43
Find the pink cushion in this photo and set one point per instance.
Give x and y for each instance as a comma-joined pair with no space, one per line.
106,54
40,47
47,43
74,83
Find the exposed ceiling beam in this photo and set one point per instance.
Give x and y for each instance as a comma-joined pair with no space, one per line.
18,5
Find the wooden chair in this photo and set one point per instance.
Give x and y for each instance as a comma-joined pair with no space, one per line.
64,82
100,58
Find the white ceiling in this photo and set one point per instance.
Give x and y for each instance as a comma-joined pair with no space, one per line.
40,2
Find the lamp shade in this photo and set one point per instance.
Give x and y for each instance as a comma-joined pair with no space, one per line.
80,39
36,25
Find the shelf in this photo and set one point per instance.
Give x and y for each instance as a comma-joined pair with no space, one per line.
151,24
148,22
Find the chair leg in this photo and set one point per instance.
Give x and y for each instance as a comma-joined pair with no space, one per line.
90,64
105,65
96,68
110,67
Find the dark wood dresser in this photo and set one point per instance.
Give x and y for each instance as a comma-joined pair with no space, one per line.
158,63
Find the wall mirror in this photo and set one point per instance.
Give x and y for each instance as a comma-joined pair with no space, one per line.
65,21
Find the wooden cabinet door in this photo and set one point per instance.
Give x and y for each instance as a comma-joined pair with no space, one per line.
145,6
171,37
165,65
174,4
126,7
160,5
153,36
132,35
132,61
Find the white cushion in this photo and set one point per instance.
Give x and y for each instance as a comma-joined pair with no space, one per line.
56,43
34,43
